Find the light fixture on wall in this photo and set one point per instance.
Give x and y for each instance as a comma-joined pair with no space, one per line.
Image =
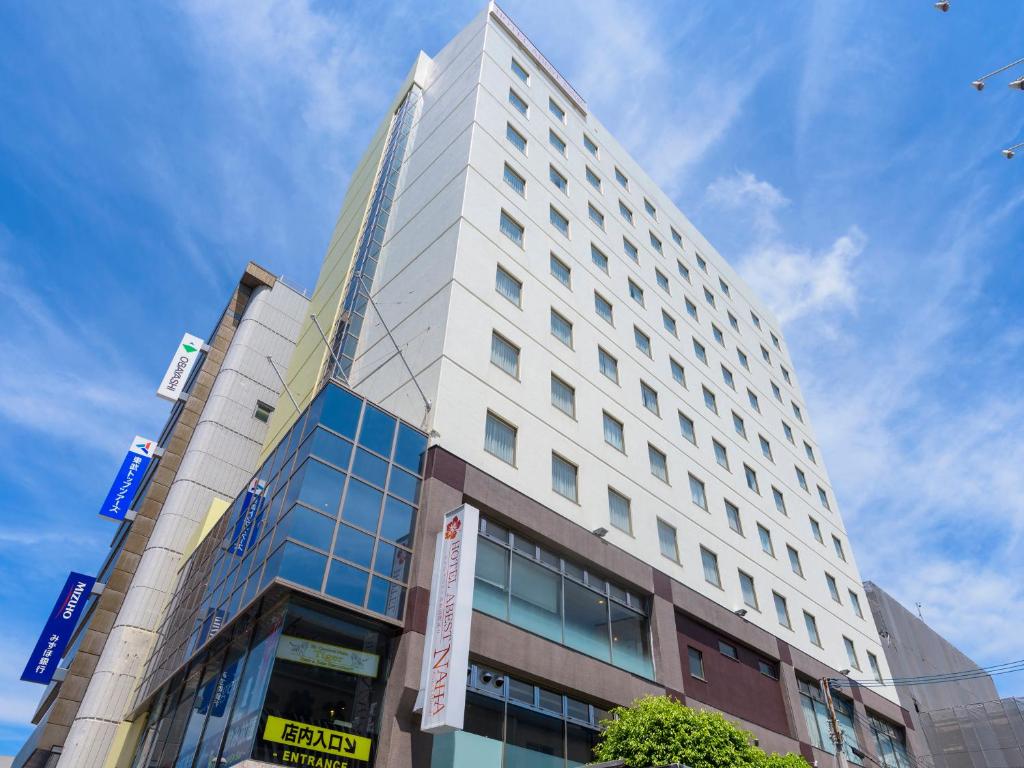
600,532
741,612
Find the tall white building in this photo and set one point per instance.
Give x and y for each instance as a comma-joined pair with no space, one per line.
564,351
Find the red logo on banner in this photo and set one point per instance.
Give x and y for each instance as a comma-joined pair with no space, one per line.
452,529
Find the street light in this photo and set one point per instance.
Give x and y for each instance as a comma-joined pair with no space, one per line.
1008,153
943,5
1018,84
979,84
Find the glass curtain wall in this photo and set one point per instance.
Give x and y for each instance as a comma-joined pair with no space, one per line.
527,585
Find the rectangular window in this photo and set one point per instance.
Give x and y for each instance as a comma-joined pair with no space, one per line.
794,561
511,228
775,340
732,514
684,271
766,447
621,178
593,179
558,179
751,476
823,497
591,147
678,372
833,588
505,354
797,412
728,378
697,493
651,210
766,540
655,242
563,396
556,141
785,375
563,477
780,501
642,340
851,653
558,219
508,286
710,562
676,237
519,72
600,260
812,629
788,431
717,333
669,322
608,365
801,478
876,671
691,309
700,352
781,610
561,329
667,541
748,591
696,660
556,110
613,432
618,511
733,322
742,357
728,649
517,101
710,401
755,320
855,603
500,439
603,307
515,138
649,397
776,391
514,180
561,271
662,280
809,452
739,425
636,293
701,263
721,456
816,530
838,546
754,402
686,427
630,250
625,212
724,286
659,463
709,297
595,216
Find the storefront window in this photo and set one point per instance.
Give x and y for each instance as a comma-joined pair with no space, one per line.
522,583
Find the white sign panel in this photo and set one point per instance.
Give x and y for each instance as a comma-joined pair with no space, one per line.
446,648
181,366
334,657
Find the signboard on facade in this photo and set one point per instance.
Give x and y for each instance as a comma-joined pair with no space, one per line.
313,737
129,478
250,517
180,367
53,640
442,696
328,656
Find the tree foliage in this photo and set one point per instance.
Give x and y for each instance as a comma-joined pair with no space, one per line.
658,730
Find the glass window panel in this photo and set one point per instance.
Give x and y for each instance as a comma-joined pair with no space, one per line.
618,511
391,561
318,486
536,599
500,439
667,541
410,449
337,409
563,477
399,521
378,431
386,597
508,286
629,641
696,659
710,562
302,566
781,610
579,745
563,396
485,716
346,582
505,355
362,505
490,591
404,485
307,526
586,621
533,740
354,545
371,468
197,717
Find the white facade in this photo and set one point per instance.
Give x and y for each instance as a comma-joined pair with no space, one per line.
436,288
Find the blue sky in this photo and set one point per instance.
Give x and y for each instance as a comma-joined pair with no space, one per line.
833,151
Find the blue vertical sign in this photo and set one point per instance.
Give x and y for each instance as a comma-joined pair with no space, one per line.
250,518
53,640
129,477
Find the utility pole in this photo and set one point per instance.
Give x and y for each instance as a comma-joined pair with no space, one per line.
836,731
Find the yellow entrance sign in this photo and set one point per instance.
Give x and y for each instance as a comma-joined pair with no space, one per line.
305,736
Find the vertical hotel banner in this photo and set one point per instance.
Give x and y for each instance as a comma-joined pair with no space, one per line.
442,696
180,367
129,478
250,517
53,640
